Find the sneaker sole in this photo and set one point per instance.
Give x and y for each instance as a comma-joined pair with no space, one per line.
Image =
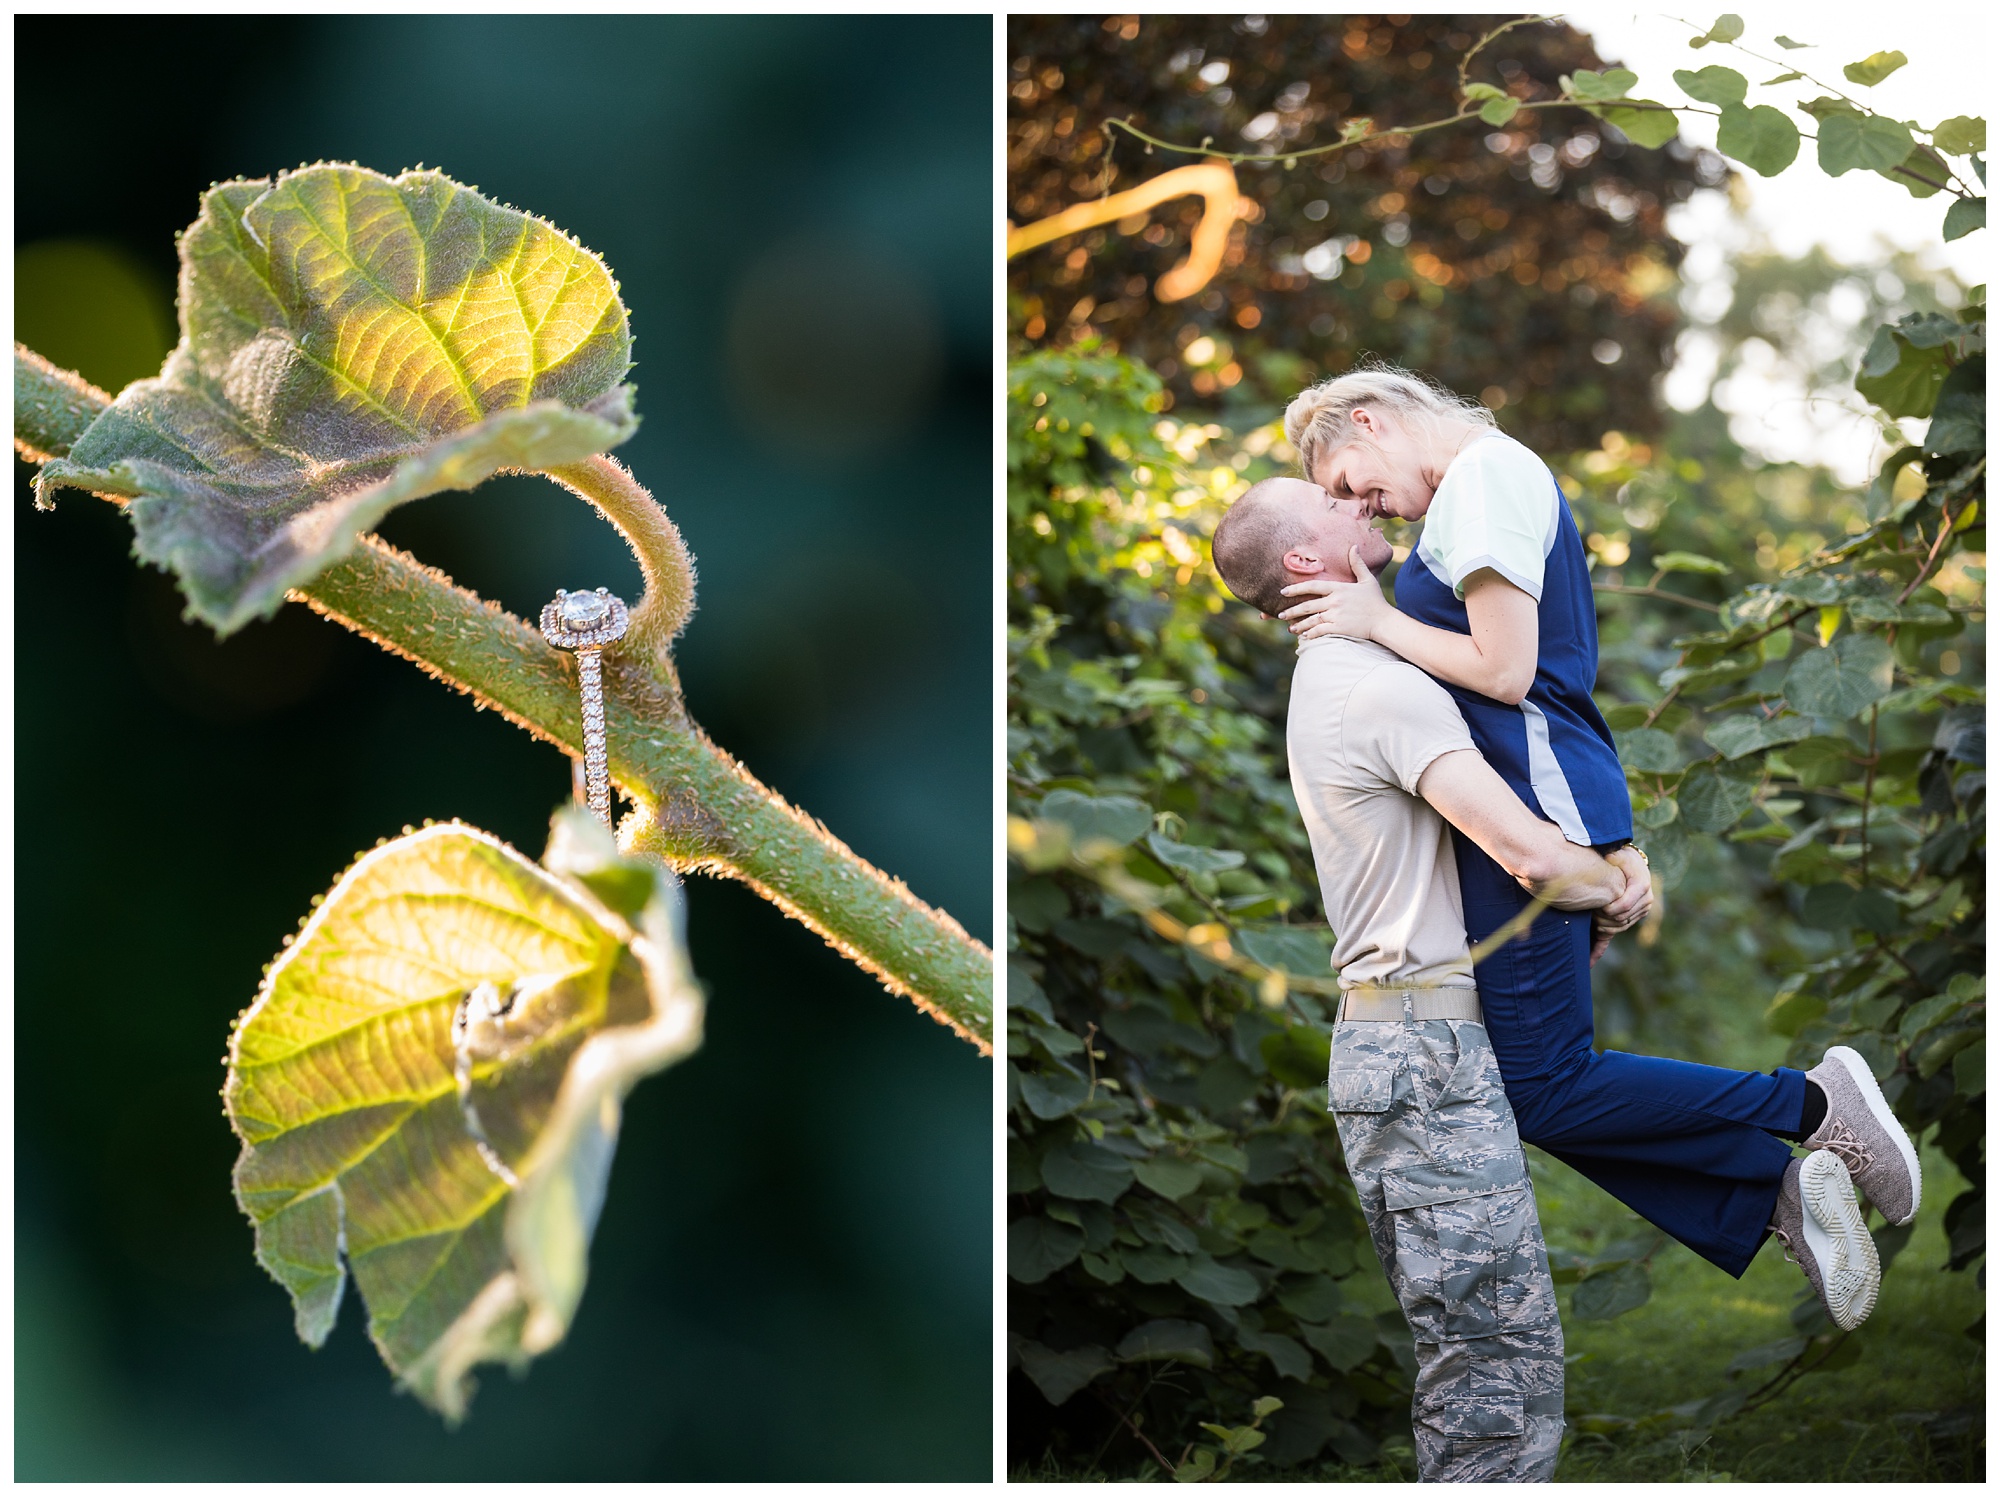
1850,1272
1871,1093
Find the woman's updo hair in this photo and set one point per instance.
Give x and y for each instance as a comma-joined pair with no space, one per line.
1320,420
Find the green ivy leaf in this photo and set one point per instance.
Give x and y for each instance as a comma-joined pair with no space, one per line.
1038,1247
1961,135
1218,1283
1958,419
1168,1341
1500,110
1873,68
1898,376
1167,1176
427,1089
1841,679
1651,127
1614,83
1964,216
1111,818
1060,1375
1297,1055
1727,28
1783,78
1733,737
1921,173
1083,1171
1606,1296
1688,561
1345,1341
1648,750
1666,849
1712,85
1870,142
1712,800
350,343
1295,949
1763,139
1791,46
1192,859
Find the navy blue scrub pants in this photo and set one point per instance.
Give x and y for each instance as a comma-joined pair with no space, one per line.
1688,1147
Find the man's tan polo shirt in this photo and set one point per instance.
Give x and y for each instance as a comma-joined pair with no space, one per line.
1363,727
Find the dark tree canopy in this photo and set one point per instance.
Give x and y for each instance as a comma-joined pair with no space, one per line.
1416,248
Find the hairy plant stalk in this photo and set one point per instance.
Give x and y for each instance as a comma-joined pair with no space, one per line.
698,809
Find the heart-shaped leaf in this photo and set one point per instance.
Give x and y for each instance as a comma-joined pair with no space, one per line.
1961,135
1762,138
1712,800
349,343
1651,127
1841,679
1848,141
1873,68
1712,85
427,1089
1964,216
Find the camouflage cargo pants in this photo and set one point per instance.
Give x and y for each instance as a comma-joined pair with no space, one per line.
1431,1145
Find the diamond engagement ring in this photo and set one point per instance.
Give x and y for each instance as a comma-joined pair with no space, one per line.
586,622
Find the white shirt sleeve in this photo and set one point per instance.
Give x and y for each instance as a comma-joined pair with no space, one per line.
1495,508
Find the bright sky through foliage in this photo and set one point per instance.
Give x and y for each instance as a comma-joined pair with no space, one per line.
1803,206
1855,217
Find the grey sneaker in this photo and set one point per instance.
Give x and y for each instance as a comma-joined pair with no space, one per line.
1818,1220
1861,1129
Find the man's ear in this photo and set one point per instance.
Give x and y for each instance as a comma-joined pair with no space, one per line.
1303,563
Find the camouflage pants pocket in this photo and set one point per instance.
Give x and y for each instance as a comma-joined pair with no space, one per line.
1467,1257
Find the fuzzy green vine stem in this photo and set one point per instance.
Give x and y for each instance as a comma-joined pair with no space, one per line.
696,807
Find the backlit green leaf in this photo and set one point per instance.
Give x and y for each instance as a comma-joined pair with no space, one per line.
1961,135
1712,85
1789,45
1613,83
1762,138
1922,173
1873,68
1651,127
1727,28
1688,561
428,1087
1870,142
349,343
1498,111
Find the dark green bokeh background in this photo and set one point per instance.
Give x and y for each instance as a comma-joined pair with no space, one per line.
791,1280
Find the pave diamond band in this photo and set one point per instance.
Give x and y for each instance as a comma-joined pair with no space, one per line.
586,622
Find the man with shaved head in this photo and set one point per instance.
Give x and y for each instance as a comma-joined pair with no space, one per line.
1380,761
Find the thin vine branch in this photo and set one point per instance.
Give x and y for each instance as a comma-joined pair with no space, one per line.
697,808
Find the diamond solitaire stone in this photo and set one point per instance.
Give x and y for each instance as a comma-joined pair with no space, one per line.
584,610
